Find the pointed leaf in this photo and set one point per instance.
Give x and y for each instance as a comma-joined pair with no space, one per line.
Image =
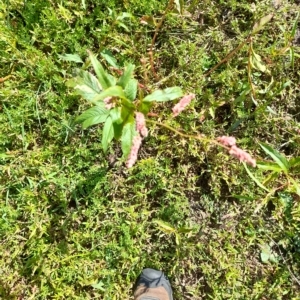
269,166
124,15
113,91
145,107
107,55
87,85
184,229
128,133
100,286
254,178
167,228
295,26
92,116
115,115
125,113
148,20
90,80
131,89
177,239
261,23
128,104
71,57
126,76
296,186
167,94
294,162
264,256
105,79
179,5
257,63
118,130
108,133
274,175
85,91
276,156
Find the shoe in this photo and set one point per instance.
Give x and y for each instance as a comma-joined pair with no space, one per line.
152,285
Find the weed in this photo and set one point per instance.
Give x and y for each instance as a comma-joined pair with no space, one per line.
76,224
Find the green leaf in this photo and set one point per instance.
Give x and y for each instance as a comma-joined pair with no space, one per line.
125,111
295,26
149,20
179,5
124,15
276,156
165,227
272,176
121,24
71,57
257,63
185,229
264,256
167,94
128,134
92,116
90,80
295,185
113,91
177,239
254,179
107,55
128,104
269,166
261,23
115,115
294,162
105,79
108,133
87,85
131,89
267,255
86,92
145,107
126,76
118,128
100,286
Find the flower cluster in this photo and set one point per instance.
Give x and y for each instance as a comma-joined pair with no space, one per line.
108,103
182,104
227,140
137,140
141,124
241,155
132,158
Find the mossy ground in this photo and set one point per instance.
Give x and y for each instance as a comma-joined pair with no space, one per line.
76,224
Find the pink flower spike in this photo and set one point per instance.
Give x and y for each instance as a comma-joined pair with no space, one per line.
227,140
182,104
141,124
108,104
132,158
242,155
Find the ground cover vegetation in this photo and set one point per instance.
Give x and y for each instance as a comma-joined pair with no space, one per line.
76,222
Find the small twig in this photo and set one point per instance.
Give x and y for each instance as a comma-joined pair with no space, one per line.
2,79
228,56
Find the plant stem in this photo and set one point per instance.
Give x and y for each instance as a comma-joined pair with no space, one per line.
189,136
228,56
249,68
